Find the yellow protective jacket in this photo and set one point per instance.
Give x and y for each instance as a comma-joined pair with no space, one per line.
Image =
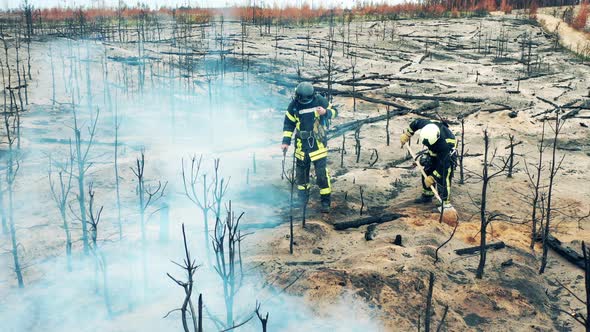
300,120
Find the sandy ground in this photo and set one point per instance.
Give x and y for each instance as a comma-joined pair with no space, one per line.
393,278
452,58
577,41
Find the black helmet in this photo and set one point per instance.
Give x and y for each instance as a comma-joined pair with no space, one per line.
304,93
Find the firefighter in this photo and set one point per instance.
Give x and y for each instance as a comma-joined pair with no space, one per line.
439,160
306,118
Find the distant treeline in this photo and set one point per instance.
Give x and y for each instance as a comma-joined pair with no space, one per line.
302,14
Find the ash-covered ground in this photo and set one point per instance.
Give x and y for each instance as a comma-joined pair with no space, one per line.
503,74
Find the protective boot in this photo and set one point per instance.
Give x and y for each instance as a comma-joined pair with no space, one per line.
326,204
424,199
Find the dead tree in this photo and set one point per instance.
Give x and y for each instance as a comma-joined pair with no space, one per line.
52,74
353,62
342,151
199,196
147,196
219,190
93,216
99,258
12,168
228,265
462,154
305,205
81,157
361,193
263,320
117,178
3,211
329,64
357,146
586,254
579,317
60,192
291,179
387,133
511,163
428,313
555,167
534,183
190,267
374,152
486,216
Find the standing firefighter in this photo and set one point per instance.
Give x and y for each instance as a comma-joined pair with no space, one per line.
307,117
438,162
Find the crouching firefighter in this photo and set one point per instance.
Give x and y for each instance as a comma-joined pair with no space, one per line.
439,161
307,117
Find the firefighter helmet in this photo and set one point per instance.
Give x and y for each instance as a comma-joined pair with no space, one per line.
304,93
429,134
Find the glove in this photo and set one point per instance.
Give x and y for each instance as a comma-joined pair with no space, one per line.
404,138
429,181
320,110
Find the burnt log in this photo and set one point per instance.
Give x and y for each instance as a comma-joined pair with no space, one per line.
367,221
304,263
338,130
566,252
476,249
342,93
438,98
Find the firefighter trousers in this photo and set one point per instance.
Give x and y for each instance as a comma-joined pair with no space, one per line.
302,170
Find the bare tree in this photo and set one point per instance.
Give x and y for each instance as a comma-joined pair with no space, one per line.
586,254
199,196
263,320
342,151
220,186
190,266
462,153
353,62
228,265
147,196
12,168
555,167
329,63
512,154
60,192
99,258
291,179
428,313
486,216
357,145
534,182
579,317
117,177
52,74
81,157
3,217
387,132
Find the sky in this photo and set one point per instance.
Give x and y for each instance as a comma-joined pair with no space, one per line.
6,4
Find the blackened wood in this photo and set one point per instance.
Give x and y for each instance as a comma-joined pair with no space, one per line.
473,250
566,252
367,221
439,98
